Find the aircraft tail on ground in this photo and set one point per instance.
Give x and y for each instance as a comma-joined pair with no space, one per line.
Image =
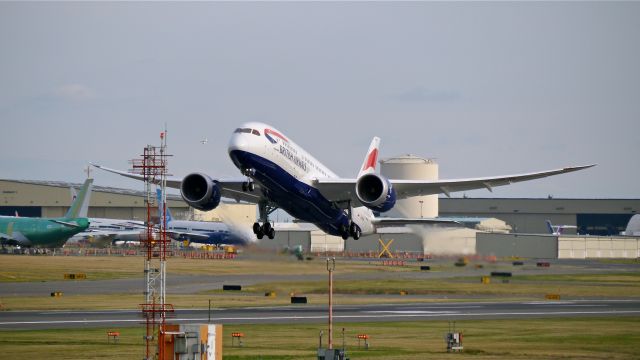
549,226
558,229
79,206
159,197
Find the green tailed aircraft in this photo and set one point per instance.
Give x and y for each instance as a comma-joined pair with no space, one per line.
46,232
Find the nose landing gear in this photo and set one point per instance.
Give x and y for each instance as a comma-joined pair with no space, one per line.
248,186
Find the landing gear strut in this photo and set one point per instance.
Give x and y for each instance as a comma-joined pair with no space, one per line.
248,185
352,229
265,229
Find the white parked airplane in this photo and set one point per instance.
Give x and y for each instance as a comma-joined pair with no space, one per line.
280,174
558,229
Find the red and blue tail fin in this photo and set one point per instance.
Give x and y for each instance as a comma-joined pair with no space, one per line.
371,160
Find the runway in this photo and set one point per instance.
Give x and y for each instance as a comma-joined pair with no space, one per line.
13,320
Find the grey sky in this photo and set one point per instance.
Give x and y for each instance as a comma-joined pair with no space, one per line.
486,88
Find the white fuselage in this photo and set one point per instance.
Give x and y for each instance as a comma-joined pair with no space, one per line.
270,146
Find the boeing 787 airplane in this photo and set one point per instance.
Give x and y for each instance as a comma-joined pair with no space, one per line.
280,174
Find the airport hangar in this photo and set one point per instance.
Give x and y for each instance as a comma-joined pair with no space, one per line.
52,199
520,230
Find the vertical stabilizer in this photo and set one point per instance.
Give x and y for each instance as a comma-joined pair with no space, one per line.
159,197
371,160
549,226
79,207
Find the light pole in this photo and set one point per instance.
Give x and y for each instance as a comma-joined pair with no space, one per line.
331,266
421,203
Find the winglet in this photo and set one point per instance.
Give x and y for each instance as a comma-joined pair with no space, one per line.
371,160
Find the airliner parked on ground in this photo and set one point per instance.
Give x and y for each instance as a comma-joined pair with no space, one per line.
280,174
47,232
200,232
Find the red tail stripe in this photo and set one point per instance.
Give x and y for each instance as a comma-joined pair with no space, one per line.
371,160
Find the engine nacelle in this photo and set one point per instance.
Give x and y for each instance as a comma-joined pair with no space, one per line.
376,192
200,191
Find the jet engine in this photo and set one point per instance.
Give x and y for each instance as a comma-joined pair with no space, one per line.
376,192
200,191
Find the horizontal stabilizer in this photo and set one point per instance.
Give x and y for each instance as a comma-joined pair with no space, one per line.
65,223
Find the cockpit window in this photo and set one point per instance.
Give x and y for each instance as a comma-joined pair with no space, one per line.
255,132
243,130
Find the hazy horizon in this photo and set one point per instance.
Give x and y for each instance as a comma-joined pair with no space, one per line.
484,88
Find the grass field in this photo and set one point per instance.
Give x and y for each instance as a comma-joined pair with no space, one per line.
353,291
527,286
364,291
570,338
52,268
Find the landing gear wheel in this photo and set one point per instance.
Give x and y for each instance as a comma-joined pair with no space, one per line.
251,186
356,234
344,231
245,187
352,228
271,233
266,227
256,228
260,234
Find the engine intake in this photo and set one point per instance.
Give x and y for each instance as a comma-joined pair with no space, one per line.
200,191
376,192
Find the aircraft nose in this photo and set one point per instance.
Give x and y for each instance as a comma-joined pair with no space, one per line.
239,141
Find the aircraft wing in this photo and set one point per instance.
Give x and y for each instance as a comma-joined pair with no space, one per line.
112,233
344,189
393,222
230,189
196,235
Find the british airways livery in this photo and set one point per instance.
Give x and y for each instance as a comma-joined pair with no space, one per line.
280,174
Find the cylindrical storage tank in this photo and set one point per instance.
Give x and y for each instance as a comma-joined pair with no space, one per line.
410,167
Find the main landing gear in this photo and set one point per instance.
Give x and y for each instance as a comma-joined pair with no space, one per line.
352,229
264,209
264,229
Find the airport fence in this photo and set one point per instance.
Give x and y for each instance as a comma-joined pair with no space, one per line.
186,254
